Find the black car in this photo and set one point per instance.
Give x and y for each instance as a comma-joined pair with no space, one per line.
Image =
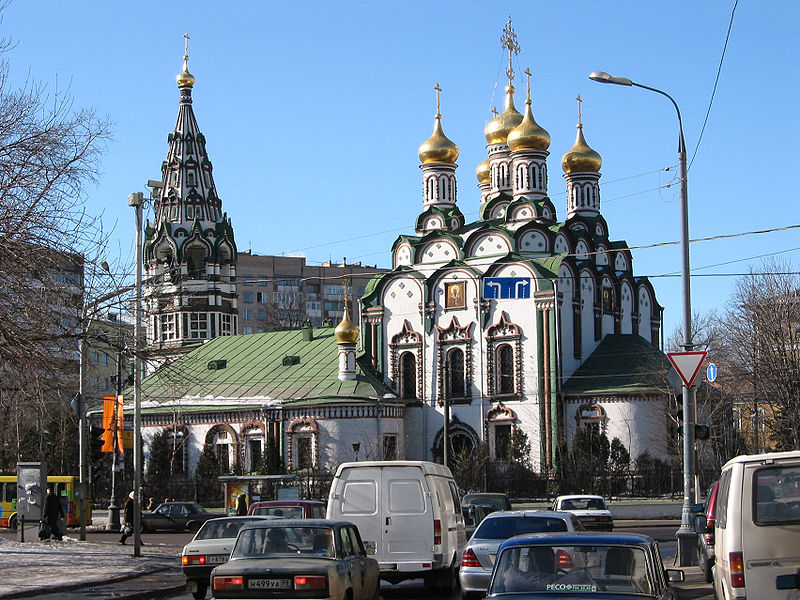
176,516
496,500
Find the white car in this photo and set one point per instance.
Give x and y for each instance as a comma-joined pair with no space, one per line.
592,511
211,546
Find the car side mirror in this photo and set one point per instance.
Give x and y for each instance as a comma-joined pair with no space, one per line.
700,524
674,575
698,508
787,582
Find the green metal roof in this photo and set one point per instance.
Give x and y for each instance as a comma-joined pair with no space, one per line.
621,364
255,372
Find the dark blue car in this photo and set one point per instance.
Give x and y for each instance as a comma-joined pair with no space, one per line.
579,565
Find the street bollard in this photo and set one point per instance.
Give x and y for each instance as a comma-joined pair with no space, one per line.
22,533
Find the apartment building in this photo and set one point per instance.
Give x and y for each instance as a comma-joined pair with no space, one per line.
280,292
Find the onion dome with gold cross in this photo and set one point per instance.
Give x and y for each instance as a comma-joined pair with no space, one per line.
528,135
498,129
346,331
438,148
581,158
185,79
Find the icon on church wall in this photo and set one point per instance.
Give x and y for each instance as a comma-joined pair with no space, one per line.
454,296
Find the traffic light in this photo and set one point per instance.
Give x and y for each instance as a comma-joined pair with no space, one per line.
96,442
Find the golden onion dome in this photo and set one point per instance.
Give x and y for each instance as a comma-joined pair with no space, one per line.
484,172
438,148
528,135
581,158
185,79
497,130
346,332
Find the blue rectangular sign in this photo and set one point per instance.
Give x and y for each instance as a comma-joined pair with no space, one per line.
507,287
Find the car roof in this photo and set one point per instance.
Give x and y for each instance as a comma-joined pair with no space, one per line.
300,523
579,538
576,496
529,514
486,494
287,503
240,517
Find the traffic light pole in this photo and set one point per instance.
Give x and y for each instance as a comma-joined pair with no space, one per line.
82,487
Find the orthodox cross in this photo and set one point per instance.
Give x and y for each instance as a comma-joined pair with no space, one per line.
186,46
579,99
509,41
438,89
494,111
528,77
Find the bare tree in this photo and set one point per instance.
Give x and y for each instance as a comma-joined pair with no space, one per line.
48,251
762,352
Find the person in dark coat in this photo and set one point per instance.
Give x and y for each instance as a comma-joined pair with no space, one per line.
241,504
53,513
127,519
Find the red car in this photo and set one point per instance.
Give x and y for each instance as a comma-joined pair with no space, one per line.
705,541
289,509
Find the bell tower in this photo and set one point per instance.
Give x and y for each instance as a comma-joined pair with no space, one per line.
189,250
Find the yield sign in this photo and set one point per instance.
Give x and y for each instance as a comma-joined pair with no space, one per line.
687,364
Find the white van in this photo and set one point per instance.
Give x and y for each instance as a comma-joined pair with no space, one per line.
408,514
757,526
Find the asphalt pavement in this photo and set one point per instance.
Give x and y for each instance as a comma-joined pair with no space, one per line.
71,569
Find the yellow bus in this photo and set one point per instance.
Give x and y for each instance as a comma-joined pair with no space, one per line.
63,486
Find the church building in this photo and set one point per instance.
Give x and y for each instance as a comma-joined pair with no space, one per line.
496,318
516,322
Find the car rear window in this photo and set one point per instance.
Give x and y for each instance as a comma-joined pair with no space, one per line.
222,528
497,528
284,512
777,495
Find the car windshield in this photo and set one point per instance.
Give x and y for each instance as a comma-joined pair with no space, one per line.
574,569
501,528
222,528
271,541
583,504
496,502
284,512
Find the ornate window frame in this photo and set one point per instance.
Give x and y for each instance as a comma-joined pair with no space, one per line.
591,413
501,333
245,433
302,427
498,415
407,340
214,434
447,338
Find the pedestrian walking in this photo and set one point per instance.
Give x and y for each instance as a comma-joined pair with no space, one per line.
127,519
241,504
53,513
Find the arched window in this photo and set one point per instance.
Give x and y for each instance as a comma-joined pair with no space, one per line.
505,369
194,261
408,376
454,376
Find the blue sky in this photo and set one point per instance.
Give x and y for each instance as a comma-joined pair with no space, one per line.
313,113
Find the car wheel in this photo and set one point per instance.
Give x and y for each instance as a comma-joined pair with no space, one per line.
12,523
449,581
471,595
193,526
200,592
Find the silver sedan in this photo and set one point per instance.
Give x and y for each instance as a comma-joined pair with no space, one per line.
481,549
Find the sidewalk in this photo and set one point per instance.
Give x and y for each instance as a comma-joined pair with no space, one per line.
46,568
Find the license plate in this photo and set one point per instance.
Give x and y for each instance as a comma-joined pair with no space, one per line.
216,559
269,584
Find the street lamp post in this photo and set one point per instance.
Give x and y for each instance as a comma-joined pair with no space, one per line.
137,200
687,538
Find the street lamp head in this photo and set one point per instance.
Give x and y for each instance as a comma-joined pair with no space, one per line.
603,77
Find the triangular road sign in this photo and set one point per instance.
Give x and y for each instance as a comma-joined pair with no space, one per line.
687,364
